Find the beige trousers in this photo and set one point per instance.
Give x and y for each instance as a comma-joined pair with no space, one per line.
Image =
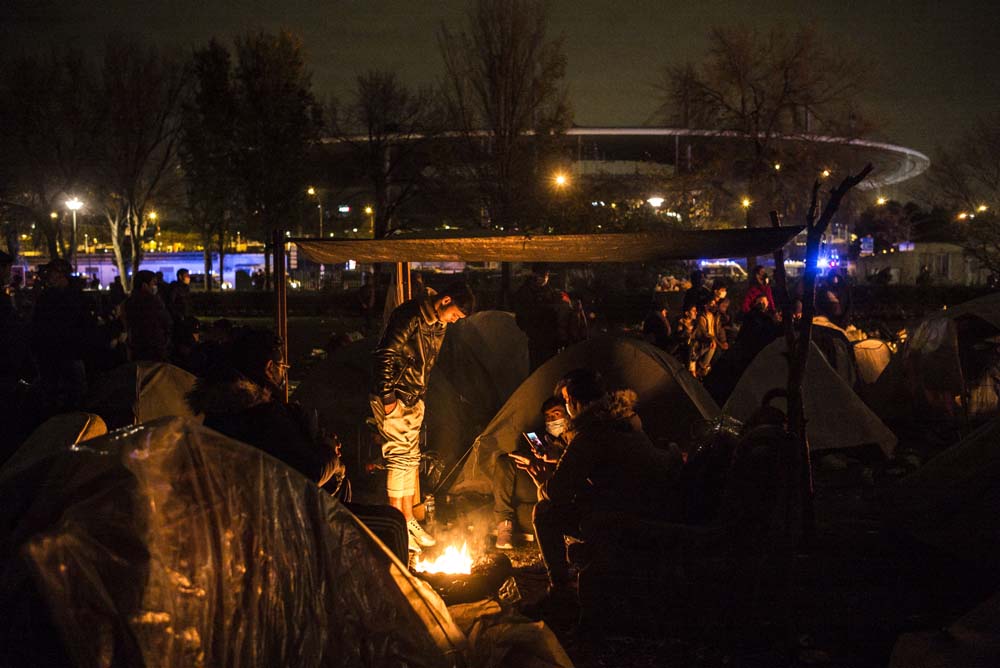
401,431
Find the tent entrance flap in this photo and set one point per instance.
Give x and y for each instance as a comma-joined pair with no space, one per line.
635,247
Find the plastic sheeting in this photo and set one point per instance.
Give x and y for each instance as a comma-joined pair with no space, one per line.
670,402
835,416
170,545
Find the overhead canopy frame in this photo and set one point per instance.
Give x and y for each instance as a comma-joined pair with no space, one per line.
624,247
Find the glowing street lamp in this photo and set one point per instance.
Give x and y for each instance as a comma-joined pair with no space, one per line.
655,202
312,192
825,173
74,205
881,200
777,166
561,180
981,208
370,212
964,215
745,203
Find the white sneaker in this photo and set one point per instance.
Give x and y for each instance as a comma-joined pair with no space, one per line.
413,546
417,533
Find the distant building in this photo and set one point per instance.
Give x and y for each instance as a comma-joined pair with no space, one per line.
946,263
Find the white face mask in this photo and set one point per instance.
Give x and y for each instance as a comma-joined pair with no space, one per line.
556,427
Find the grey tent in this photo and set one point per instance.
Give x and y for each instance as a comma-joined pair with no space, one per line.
947,356
835,416
171,545
482,361
137,392
671,401
951,501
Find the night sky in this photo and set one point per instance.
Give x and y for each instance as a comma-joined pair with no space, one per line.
938,63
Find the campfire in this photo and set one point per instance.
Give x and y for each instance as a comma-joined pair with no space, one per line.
452,561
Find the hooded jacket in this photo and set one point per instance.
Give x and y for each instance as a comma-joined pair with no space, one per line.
407,352
236,406
611,465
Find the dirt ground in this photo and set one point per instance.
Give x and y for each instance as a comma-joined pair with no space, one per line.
855,588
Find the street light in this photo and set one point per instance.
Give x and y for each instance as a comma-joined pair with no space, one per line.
881,200
370,212
745,203
777,166
561,180
655,202
312,192
74,205
981,208
825,173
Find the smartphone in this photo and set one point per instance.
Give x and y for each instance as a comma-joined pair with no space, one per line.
535,443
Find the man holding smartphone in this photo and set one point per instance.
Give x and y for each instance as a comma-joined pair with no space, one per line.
514,491
403,362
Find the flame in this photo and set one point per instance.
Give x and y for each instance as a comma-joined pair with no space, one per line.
452,560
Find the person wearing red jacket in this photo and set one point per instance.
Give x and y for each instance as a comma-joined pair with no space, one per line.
760,286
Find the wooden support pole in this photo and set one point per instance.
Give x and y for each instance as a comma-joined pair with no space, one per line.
281,296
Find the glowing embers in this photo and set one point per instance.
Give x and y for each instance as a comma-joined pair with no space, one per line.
452,560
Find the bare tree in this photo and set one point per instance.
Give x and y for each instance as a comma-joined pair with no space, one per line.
388,127
47,139
756,89
138,97
208,151
967,178
277,120
504,80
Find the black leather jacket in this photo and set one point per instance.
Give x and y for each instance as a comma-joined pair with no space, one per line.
406,354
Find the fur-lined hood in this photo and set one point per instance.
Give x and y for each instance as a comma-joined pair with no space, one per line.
224,396
616,409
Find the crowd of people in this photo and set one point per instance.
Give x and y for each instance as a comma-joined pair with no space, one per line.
590,453
56,339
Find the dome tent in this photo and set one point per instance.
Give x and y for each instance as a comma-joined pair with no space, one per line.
670,402
835,415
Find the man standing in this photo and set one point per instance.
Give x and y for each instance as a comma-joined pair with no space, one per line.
147,320
179,300
535,312
403,362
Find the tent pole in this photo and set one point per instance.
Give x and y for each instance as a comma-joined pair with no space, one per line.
281,297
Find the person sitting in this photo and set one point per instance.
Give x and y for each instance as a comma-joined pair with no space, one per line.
609,465
241,397
514,492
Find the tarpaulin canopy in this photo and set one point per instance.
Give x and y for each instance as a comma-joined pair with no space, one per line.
670,402
631,247
835,416
169,544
